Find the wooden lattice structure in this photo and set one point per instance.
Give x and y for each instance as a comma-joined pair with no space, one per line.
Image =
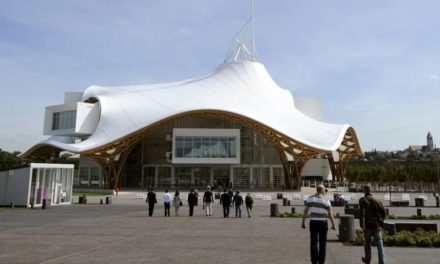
293,154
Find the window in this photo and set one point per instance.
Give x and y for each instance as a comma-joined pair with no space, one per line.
205,147
63,120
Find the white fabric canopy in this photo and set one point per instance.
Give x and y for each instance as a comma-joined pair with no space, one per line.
244,88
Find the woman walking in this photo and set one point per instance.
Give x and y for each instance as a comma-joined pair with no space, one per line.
177,202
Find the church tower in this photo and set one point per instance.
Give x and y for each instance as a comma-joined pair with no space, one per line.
429,142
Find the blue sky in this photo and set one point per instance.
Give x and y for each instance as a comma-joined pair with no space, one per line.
375,64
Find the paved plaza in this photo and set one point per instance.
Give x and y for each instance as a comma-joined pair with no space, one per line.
123,233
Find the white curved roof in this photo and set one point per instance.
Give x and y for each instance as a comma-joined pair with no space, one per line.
244,88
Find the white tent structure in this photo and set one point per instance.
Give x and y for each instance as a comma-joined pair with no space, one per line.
240,89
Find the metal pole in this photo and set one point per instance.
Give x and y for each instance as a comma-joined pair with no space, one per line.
253,31
438,179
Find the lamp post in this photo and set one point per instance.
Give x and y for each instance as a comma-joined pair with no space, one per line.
437,197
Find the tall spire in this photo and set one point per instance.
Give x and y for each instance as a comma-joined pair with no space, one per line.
243,45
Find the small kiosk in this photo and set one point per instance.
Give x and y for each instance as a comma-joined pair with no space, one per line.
32,185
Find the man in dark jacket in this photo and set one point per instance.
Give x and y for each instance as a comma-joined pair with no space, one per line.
208,198
249,201
237,201
225,200
151,200
192,200
371,217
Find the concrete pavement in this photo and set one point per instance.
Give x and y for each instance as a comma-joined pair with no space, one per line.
123,233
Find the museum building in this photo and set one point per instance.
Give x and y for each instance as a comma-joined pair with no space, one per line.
234,126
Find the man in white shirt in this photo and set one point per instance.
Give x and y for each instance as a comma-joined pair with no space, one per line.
167,202
318,209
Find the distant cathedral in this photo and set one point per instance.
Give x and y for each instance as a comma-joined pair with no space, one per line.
429,142
427,148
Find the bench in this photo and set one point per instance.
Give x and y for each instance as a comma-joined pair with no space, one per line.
339,203
296,196
399,203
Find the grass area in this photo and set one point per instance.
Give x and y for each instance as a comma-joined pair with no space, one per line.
92,193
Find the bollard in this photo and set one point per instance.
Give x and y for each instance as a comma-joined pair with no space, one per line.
12,205
293,210
419,212
284,201
108,200
274,209
44,204
346,228
101,202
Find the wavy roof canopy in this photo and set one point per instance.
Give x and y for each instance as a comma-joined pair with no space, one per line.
241,88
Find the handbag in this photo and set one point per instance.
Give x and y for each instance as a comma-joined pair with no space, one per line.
181,204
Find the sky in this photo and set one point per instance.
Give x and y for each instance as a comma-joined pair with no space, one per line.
375,64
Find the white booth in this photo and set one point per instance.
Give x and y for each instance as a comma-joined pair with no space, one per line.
40,181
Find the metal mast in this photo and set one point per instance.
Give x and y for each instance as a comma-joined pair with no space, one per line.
253,31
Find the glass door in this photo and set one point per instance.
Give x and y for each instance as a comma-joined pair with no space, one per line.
39,188
33,187
149,176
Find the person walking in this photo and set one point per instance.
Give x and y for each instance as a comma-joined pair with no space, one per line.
177,202
208,199
151,201
249,201
191,202
371,217
318,209
237,201
167,202
231,195
225,200
196,193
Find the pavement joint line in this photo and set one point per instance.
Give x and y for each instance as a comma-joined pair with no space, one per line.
89,250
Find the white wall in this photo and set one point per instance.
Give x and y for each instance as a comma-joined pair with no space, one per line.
317,167
87,118
15,187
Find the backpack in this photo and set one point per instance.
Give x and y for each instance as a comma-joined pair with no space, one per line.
208,197
249,200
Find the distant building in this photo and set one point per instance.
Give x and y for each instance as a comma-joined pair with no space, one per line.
429,147
429,142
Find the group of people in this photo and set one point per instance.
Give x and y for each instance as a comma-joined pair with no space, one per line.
317,209
371,217
227,200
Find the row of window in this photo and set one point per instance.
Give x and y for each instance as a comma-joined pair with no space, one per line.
205,147
63,120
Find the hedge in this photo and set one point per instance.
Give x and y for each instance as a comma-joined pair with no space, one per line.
419,238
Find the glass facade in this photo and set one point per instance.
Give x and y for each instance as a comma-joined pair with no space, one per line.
63,120
90,177
203,154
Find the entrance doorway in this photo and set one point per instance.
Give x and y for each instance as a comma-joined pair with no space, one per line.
149,177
